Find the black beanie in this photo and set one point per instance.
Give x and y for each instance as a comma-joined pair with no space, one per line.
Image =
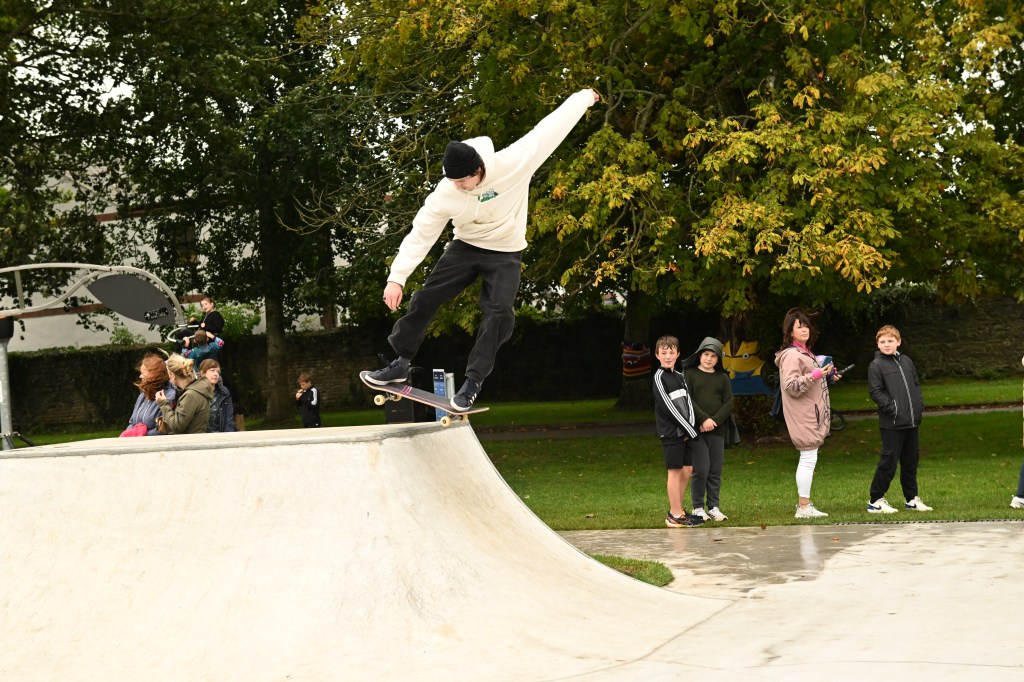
460,160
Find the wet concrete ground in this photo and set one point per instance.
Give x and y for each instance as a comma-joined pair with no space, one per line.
913,601
726,562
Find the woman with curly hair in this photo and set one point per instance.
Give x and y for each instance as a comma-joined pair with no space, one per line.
153,377
191,414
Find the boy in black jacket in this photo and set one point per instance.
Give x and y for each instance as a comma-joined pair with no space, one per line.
895,388
307,399
674,421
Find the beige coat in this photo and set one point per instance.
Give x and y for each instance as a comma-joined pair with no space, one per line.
805,402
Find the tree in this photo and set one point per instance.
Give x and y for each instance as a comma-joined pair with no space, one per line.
218,136
748,153
53,75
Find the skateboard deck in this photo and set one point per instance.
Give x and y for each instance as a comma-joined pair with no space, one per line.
400,391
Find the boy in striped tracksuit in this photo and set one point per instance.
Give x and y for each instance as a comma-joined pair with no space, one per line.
674,421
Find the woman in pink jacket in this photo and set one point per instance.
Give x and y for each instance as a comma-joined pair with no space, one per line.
805,402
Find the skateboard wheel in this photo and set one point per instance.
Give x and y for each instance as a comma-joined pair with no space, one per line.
379,400
446,421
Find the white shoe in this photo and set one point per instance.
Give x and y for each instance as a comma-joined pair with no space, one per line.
808,512
717,514
699,511
1017,502
917,505
880,506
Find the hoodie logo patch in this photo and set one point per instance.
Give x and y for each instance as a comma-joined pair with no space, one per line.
487,196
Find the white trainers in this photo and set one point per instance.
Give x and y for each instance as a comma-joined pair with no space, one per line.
716,514
808,512
1017,502
880,506
699,511
917,505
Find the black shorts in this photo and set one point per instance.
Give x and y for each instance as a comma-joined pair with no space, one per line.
678,453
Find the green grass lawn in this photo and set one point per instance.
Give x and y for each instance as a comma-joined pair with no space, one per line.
968,471
853,395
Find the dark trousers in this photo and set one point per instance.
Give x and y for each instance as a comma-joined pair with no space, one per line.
899,446
458,268
1020,482
707,472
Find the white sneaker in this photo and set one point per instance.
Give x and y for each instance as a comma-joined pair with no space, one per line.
917,505
880,506
717,514
808,512
1017,502
699,511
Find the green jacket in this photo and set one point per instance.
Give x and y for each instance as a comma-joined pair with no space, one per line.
711,392
191,414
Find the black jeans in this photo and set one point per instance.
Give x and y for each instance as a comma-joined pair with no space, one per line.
899,446
458,268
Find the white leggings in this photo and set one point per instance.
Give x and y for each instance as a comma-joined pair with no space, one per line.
805,472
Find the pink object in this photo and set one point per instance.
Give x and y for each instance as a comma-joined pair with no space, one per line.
137,430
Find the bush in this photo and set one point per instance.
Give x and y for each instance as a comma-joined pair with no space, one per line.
120,335
752,418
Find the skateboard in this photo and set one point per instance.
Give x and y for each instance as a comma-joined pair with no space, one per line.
400,391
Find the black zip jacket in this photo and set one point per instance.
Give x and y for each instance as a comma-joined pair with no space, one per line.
673,409
895,388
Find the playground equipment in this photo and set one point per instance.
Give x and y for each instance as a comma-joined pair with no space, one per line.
130,292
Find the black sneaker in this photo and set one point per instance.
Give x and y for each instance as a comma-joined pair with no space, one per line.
675,521
463,400
396,372
693,520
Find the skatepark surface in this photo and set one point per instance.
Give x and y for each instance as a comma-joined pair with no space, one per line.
398,552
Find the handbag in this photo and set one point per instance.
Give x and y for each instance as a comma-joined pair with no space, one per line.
776,408
732,433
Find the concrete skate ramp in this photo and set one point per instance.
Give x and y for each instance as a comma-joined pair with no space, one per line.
392,552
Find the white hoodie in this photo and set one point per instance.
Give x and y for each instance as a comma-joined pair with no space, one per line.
493,214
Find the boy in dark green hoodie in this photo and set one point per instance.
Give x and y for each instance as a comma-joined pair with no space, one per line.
711,393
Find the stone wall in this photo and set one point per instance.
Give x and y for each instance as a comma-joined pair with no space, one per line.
983,340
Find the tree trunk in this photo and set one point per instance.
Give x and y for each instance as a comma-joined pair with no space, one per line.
280,393
636,353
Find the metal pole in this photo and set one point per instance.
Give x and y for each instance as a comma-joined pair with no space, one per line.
6,423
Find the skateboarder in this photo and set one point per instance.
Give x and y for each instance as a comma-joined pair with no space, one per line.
484,194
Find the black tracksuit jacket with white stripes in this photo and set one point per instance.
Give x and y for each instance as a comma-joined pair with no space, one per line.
673,409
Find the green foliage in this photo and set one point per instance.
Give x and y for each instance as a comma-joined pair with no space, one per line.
743,155
751,414
120,335
239,319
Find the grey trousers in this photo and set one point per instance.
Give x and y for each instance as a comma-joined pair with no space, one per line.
707,474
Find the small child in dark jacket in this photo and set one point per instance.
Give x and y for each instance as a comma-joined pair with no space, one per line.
895,388
307,399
